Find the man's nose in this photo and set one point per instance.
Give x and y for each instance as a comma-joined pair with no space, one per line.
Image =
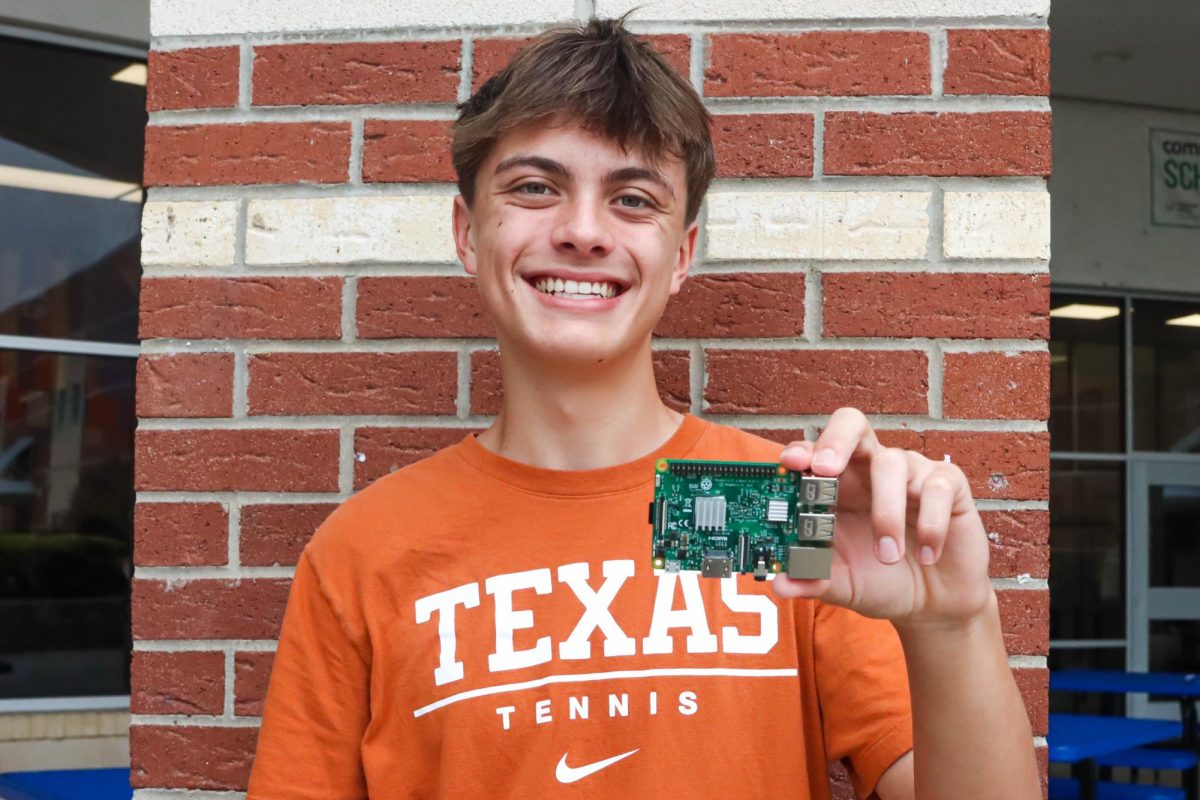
582,230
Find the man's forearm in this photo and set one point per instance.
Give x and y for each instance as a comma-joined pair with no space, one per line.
971,735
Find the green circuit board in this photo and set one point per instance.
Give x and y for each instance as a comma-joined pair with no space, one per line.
725,517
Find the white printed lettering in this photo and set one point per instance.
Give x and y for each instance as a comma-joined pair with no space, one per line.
733,641
665,616
508,621
449,668
596,614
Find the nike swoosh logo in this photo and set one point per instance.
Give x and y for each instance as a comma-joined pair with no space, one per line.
567,774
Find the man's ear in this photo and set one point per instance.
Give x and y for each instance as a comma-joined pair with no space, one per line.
683,261
464,235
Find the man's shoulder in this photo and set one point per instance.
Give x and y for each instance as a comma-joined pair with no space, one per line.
392,502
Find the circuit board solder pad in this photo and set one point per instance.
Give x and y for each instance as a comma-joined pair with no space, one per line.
725,517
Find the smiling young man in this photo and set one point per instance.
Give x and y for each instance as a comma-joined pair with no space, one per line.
486,622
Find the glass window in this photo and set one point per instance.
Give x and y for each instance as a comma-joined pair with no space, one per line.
1166,376
71,146
1175,536
1087,560
71,142
1175,646
1086,658
66,508
1086,411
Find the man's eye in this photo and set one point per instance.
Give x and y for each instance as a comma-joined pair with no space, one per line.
534,188
633,201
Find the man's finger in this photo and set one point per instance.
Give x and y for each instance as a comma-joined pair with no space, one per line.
889,502
848,435
939,490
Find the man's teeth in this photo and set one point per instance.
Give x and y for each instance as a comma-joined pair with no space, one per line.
575,289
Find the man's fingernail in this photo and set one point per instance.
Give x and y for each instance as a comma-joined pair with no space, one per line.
926,555
889,551
791,452
825,458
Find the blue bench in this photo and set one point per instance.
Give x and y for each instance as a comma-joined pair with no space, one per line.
1068,789
1149,758
67,784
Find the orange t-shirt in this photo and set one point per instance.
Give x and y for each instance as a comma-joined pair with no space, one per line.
470,626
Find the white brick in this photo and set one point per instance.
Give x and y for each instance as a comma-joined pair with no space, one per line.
822,225
835,10
191,18
997,225
341,230
189,234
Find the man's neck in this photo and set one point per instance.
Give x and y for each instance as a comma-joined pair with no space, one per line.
580,418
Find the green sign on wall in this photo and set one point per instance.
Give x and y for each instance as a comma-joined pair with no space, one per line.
1175,178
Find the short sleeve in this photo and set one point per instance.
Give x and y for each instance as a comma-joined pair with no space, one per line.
862,685
317,705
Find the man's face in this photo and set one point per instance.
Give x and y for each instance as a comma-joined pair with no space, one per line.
561,204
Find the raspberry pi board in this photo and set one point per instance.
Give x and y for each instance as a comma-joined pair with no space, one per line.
726,517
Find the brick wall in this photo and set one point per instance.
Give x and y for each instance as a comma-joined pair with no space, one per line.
878,236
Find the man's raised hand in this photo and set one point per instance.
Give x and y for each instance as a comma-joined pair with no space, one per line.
909,545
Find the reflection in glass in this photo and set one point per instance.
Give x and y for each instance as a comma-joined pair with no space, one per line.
1175,536
1175,646
1086,658
70,195
1085,375
66,520
1166,370
1087,559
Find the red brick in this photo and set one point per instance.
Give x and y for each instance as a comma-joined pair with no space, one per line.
1025,616
209,608
417,307
237,460
397,151
990,61
996,385
1020,543
1000,465
487,389
492,55
816,381
198,77
185,385
962,305
988,144
178,683
275,533
736,304
252,676
241,308
1035,686
251,153
672,369
353,383
1043,768
763,145
379,451
819,63
191,756
180,534
356,73
840,787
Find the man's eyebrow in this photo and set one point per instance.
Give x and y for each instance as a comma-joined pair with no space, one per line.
537,162
639,173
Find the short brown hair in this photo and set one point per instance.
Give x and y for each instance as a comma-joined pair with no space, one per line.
608,80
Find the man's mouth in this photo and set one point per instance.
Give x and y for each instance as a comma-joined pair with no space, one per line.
575,290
